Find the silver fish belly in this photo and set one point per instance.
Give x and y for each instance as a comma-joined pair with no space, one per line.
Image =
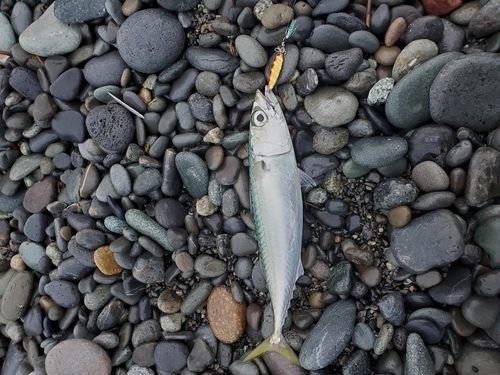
277,210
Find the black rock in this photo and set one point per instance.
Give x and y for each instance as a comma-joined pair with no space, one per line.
111,126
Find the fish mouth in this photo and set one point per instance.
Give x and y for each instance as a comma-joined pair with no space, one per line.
261,98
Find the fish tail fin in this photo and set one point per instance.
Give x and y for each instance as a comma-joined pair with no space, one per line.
273,344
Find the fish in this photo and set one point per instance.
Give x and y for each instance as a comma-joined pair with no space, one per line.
276,203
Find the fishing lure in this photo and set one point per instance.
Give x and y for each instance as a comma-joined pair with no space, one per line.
278,59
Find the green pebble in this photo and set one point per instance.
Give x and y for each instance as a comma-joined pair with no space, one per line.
102,93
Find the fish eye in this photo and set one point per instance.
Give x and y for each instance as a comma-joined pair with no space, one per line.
259,118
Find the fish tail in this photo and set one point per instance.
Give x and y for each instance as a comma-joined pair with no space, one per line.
274,344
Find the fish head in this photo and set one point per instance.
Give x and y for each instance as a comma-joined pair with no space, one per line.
269,133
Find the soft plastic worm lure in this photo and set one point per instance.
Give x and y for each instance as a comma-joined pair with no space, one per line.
278,59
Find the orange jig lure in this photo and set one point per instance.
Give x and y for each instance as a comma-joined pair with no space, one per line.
277,64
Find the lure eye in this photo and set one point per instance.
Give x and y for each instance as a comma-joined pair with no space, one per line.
259,118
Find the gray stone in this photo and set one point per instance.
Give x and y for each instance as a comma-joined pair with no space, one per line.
16,295
481,184
487,236
7,36
418,359
480,311
394,192
329,38
413,55
250,51
149,227
104,70
331,106
79,356
391,306
329,336
194,173
408,103
74,11
486,21
454,289
24,165
474,361
465,101
49,36
213,60
165,40
432,240
363,336
375,152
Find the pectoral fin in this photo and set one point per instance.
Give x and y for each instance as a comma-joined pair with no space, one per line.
305,179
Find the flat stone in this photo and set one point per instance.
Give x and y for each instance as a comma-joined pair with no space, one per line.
455,288
329,336
63,292
329,38
49,36
250,51
408,103
25,82
77,355
24,165
440,241
375,152
171,356
331,106
39,195
70,126
211,59
8,38
476,360
74,11
15,299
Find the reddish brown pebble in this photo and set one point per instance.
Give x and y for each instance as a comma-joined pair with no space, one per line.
105,261
399,216
394,32
226,316
440,7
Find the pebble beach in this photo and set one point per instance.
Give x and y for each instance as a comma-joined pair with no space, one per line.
127,243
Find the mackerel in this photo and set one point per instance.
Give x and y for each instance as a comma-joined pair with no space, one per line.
276,202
